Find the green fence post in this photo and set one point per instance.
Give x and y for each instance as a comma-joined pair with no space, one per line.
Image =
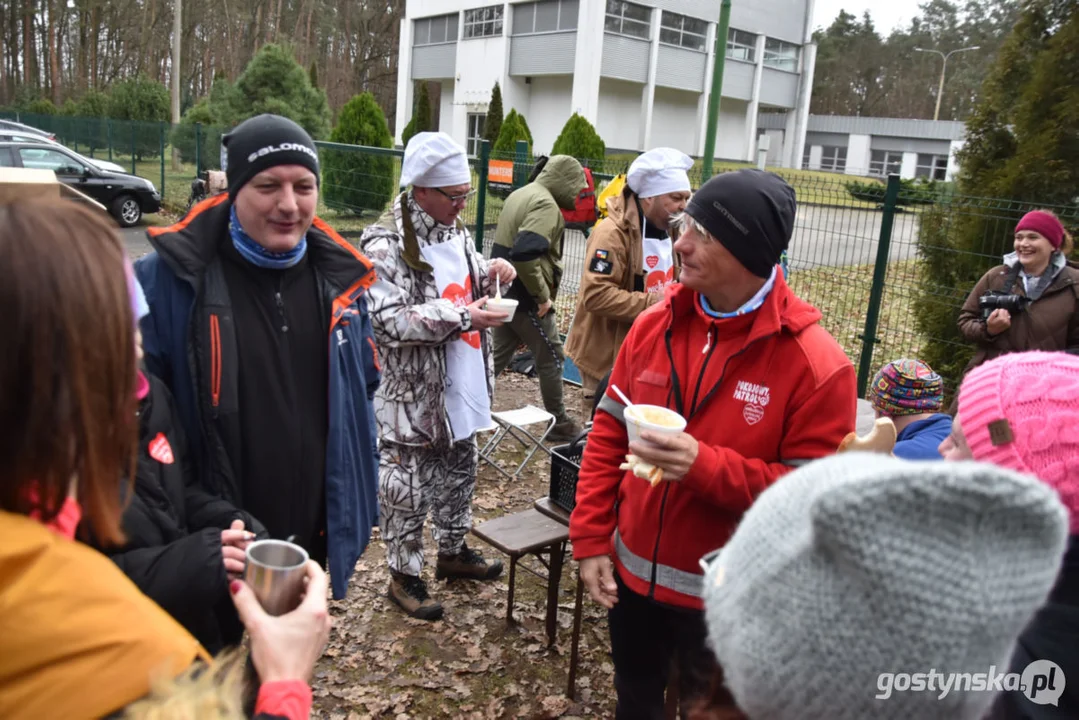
161,144
481,198
198,149
133,168
876,291
108,133
520,157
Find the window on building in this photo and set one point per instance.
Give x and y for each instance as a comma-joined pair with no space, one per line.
934,167
683,31
435,30
476,124
626,18
741,45
833,158
805,158
483,22
882,162
545,16
781,55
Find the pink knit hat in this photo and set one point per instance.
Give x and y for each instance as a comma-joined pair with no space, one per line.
1021,411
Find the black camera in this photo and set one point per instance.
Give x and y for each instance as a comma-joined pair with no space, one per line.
996,300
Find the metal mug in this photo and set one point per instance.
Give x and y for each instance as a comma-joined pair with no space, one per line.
275,571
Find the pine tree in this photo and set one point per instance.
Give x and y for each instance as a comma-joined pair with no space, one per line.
513,129
312,74
579,139
353,180
493,124
421,115
524,125
1020,145
273,82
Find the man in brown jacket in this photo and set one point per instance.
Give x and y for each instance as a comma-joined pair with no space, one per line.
626,268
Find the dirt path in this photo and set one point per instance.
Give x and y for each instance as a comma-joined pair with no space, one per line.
382,664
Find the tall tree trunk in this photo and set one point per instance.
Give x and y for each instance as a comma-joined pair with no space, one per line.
95,38
54,56
177,33
29,53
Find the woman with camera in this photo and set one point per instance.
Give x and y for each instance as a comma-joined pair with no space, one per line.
1031,302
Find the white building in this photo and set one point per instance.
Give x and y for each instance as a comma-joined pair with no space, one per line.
639,71
873,145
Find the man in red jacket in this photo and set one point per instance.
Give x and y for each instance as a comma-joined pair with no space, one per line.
764,389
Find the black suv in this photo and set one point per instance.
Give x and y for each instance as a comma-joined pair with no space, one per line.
126,196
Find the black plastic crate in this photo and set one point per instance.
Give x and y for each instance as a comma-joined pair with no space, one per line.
565,465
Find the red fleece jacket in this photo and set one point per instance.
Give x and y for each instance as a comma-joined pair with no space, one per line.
762,392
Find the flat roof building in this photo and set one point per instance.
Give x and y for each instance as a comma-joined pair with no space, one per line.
639,71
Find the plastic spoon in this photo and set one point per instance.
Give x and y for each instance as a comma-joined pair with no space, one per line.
621,395
498,288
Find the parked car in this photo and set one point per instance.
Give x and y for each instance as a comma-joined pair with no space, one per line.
127,197
22,137
12,126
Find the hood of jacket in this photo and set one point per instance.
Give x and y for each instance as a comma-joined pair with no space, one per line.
625,211
564,178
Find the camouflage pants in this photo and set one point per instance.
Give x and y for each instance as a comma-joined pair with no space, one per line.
414,480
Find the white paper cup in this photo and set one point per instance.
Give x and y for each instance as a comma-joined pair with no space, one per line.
504,305
652,417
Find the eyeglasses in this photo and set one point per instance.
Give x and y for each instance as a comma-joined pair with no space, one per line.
456,199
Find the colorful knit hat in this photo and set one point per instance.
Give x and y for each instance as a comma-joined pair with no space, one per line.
906,387
1021,411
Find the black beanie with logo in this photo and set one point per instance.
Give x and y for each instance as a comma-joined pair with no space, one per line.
751,212
262,142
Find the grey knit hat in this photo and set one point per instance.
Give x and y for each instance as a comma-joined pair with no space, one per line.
859,564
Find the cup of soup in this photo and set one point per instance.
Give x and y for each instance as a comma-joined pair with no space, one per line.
502,305
652,417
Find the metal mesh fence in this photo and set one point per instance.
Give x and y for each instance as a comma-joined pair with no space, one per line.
892,259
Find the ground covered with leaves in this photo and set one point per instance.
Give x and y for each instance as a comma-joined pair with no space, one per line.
471,664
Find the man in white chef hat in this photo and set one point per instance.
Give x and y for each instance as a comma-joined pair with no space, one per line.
629,262
427,308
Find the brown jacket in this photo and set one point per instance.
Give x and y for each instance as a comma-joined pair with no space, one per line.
1049,323
607,304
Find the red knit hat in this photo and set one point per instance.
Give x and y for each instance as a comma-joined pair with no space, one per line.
1021,411
1045,224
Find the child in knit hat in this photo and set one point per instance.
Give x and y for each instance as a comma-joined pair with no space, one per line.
1021,411
853,575
911,395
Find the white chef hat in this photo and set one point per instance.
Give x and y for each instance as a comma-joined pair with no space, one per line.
433,159
659,171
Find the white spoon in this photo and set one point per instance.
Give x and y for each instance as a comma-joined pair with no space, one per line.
621,395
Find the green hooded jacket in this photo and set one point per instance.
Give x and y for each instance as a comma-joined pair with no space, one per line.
530,229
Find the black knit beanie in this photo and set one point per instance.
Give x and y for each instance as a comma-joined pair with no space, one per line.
262,142
751,212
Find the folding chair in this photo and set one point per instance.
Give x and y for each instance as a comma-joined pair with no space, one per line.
513,423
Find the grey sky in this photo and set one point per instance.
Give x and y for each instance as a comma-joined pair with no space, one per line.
886,14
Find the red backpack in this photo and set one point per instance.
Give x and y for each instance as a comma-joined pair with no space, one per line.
584,215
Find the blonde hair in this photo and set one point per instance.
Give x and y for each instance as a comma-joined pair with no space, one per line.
211,693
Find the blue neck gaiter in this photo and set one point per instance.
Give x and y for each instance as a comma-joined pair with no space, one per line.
259,256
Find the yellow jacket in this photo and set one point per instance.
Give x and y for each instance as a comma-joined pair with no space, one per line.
77,638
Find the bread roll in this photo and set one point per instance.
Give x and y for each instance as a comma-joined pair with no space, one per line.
881,439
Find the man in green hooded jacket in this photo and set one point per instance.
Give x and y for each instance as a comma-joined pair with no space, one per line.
529,235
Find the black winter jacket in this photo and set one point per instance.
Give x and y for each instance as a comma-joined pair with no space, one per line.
173,526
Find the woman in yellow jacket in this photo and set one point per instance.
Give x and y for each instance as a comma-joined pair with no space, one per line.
77,638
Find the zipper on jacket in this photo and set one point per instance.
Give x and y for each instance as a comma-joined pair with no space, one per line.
281,310
215,360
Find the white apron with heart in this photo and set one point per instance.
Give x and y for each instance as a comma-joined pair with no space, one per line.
467,404
658,264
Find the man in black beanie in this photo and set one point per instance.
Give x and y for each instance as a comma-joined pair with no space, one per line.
763,389
258,324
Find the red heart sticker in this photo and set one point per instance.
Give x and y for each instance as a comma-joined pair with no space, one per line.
160,450
651,261
460,297
752,413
